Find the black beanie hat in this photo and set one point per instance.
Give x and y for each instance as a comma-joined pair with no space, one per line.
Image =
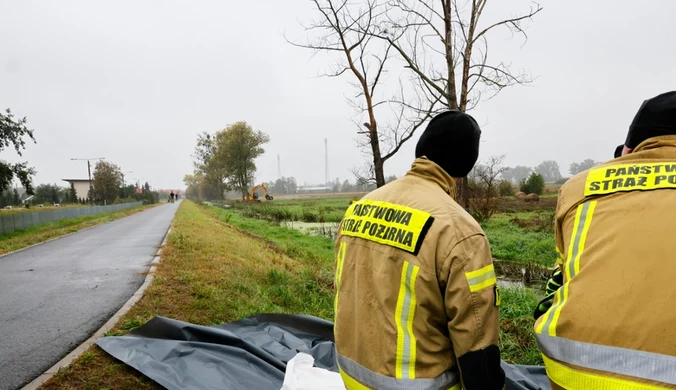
451,140
618,151
656,117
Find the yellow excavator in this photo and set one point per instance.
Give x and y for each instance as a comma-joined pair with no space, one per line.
253,195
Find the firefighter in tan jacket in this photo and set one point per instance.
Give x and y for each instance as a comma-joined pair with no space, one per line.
612,324
416,301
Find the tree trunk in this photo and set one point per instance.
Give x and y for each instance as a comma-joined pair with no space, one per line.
378,162
378,169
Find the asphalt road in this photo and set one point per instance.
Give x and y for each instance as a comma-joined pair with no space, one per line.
56,295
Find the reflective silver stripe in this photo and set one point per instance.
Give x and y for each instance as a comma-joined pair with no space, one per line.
406,312
638,364
379,381
482,278
578,235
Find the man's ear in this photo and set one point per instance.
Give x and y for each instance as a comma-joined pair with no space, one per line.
626,151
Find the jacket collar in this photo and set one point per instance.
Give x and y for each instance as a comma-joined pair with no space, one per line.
657,142
428,170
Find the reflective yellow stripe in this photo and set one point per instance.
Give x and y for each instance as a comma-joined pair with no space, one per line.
583,220
339,274
583,238
572,243
481,278
404,315
351,383
547,317
397,318
571,379
560,258
339,265
409,324
551,329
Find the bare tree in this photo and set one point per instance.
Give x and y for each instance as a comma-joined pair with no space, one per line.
445,46
483,187
349,27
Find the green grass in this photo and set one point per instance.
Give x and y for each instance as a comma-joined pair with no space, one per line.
34,208
305,210
526,238
517,337
291,242
19,239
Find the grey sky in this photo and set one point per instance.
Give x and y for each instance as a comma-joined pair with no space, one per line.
136,81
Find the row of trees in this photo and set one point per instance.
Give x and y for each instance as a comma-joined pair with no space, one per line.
486,182
107,184
109,187
225,161
549,170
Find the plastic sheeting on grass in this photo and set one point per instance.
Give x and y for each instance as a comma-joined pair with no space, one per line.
248,354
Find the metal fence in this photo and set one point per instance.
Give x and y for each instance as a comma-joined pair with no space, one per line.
19,221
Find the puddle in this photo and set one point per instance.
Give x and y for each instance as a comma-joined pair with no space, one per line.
506,283
313,228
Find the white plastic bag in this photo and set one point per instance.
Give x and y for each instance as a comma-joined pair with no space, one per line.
301,375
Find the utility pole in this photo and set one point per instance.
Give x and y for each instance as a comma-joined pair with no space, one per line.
326,162
89,171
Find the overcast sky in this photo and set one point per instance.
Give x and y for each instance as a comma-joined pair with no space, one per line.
136,81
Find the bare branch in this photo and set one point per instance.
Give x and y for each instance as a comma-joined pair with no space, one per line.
512,23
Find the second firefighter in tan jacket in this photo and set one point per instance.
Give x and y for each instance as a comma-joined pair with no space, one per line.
417,302
612,323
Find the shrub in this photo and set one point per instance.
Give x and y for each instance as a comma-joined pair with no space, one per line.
534,185
506,188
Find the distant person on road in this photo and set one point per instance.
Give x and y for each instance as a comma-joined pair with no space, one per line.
417,300
171,197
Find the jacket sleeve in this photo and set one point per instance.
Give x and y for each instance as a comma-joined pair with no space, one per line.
472,300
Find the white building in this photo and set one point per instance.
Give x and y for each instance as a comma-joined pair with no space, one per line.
81,187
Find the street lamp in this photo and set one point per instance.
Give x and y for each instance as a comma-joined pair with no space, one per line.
89,171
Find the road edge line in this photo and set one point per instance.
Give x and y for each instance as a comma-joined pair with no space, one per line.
60,237
73,355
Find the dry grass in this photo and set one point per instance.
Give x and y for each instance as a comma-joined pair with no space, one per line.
210,273
19,239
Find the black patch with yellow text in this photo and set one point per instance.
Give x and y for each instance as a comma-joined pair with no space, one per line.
630,177
387,223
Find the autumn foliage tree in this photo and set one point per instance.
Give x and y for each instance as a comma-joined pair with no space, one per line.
226,160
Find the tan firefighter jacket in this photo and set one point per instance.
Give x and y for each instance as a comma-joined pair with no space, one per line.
612,324
416,290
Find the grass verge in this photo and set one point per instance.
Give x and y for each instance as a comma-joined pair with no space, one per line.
19,239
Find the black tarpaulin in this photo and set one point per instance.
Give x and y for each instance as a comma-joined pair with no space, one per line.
248,354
